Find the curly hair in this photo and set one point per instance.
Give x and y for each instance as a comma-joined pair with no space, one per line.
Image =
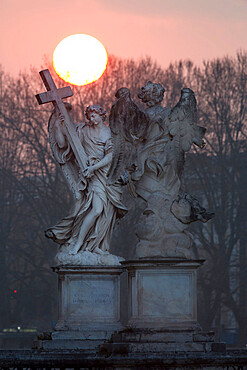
97,109
152,93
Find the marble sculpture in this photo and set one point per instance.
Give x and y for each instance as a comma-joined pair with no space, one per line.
143,149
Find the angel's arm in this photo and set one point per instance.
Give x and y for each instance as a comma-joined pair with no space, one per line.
79,130
88,172
104,162
59,134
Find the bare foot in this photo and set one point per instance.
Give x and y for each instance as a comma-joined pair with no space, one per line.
99,251
74,249
49,234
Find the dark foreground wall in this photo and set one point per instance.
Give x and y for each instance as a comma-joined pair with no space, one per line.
236,359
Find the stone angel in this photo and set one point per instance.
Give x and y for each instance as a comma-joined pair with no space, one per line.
159,138
84,234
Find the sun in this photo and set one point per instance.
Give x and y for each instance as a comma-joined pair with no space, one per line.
80,59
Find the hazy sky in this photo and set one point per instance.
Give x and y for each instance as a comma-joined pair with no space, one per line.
167,30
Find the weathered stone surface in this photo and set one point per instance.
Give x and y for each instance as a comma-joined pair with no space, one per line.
83,359
89,307
89,225
87,345
89,298
162,293
138,340
153,336
151,145
162,313
148,152
154,347
80,335
218,347
204,337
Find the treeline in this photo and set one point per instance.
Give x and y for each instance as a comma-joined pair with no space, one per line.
34,195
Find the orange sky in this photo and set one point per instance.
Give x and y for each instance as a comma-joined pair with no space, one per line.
167,30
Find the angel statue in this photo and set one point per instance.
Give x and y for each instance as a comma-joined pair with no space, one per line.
149,148
84,235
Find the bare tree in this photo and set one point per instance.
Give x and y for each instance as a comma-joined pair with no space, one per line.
40,194
34,195
221,89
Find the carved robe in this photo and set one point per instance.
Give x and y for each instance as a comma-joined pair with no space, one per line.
155,171
67,230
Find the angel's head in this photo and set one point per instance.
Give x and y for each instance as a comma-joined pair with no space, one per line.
151,94
95,114
124,91
187,96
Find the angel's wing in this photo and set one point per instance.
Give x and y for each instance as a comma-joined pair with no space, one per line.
182,126
64,155
128,126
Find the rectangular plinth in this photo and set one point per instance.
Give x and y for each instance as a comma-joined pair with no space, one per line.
162,293
165,294
89,298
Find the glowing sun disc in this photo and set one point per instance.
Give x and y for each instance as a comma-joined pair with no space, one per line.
80,59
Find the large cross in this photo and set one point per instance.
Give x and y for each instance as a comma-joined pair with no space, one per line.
55,96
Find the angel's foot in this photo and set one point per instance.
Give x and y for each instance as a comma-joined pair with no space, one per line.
86,249
49,234
74,250
64,248
99,251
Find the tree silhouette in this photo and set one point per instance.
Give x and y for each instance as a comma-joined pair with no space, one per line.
34,195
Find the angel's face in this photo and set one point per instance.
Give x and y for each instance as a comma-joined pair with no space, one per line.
95,118
147,95
186,97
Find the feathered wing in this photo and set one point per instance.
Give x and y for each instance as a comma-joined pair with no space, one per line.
66,159
182,126
128,126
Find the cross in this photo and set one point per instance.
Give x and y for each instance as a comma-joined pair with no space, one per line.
55,96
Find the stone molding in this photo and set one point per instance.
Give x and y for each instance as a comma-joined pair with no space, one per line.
162,293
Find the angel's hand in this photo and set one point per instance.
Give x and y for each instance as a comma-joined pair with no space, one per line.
61,118
88,172
203,144
135,138
200,144
124,178
198,141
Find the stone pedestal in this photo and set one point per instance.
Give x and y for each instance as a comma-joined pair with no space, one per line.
158,300
162,309
89,306
162,293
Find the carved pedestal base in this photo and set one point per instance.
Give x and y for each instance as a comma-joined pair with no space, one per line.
162,293
162,309
158,309
89,307
150,341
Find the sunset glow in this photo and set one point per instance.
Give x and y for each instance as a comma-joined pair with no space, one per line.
80,59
